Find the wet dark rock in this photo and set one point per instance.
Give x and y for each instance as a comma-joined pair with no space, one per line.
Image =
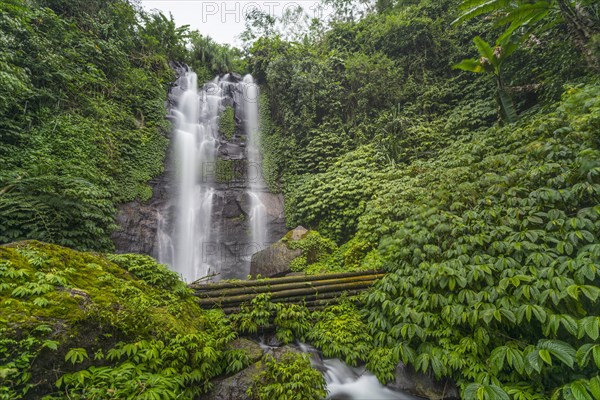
234,387
275,260
230,238
138,222
423,385
251,348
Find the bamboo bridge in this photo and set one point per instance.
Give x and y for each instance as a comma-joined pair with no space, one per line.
314,291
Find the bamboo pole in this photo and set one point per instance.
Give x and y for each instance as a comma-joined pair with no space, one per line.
294,299
237,310
310,306
290,293
274,281
284,286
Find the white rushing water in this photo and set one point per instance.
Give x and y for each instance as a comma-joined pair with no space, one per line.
187,245
256,184
345,382
188,238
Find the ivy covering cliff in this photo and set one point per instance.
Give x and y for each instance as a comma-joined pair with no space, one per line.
477,193
83,87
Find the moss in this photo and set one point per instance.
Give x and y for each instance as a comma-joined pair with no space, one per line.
78,284
56,298
227,123
224,171
227,171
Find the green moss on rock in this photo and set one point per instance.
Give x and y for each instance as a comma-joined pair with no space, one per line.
224,171
227,123
57,304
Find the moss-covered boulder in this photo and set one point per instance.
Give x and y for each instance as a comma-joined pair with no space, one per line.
283,373
104,326
275,260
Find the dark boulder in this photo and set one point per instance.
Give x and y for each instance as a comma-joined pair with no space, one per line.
423,385
275,260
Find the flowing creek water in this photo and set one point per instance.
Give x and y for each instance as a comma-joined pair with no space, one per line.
345,382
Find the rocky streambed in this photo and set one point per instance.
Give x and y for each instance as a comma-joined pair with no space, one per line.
343,381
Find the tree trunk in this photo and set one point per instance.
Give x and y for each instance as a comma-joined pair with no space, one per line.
581,28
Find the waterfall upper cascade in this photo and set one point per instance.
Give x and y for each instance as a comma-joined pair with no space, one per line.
255,177
195,233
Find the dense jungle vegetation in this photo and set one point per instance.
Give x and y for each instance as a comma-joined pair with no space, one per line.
83,86
454,144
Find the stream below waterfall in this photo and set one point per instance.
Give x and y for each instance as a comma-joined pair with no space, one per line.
345,382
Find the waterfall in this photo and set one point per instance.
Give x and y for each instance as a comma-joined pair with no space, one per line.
197,233
256,184
188,243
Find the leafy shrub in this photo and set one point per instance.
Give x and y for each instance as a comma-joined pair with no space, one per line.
181,366
290,378
492,278
227,123
331,202
340,332
315,250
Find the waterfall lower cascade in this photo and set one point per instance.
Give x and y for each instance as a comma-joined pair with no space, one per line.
189,235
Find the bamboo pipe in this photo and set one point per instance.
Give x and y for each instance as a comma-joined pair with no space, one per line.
297,299
284,286
284,279
290,293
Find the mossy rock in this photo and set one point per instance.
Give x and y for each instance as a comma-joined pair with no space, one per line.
53,299
227,123
252,349
227,171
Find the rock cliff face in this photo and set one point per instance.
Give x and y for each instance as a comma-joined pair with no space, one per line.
138,222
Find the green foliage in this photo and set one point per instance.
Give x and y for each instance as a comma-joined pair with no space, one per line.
180,366
67,210
145,268
315,250
209,58
524,18
290,378
492,277
322,255
291,320
332,201
83,89
340,332
123,324
227,123
491,61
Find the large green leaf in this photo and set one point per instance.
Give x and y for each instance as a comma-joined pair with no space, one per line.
469,64
508,111
475,8
559,349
